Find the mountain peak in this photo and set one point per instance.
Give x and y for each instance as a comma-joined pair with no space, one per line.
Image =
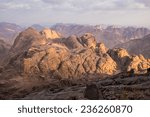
27,38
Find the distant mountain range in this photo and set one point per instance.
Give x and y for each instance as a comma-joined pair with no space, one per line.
138,46
9,31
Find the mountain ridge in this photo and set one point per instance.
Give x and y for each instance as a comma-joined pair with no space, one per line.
138,46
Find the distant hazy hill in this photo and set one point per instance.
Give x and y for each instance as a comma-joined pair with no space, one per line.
138,46
9,31
110,35
4,47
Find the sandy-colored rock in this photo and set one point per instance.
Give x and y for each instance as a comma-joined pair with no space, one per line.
50,34
72,42
88,40
26,39
139,64
71,59
101,49
106,65
121,57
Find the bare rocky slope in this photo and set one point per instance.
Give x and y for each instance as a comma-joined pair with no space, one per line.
138,46
55,68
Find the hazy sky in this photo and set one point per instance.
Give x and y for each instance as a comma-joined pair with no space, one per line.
121,12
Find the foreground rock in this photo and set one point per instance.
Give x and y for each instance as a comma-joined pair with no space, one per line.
116,87
91,92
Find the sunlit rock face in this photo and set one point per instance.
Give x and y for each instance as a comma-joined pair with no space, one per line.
88,40
26,39
50,34
42,66
67,58
127,62
139,64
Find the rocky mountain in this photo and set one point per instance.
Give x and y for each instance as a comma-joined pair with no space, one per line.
9,31
41,66
110,35
35,54
138,46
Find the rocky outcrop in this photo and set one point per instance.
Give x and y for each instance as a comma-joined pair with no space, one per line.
62,63
139,64
72,42
86,61
40,68
35,56
121,56
67,58
88,40
44,61
101,49
50,34
127,62
26,39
